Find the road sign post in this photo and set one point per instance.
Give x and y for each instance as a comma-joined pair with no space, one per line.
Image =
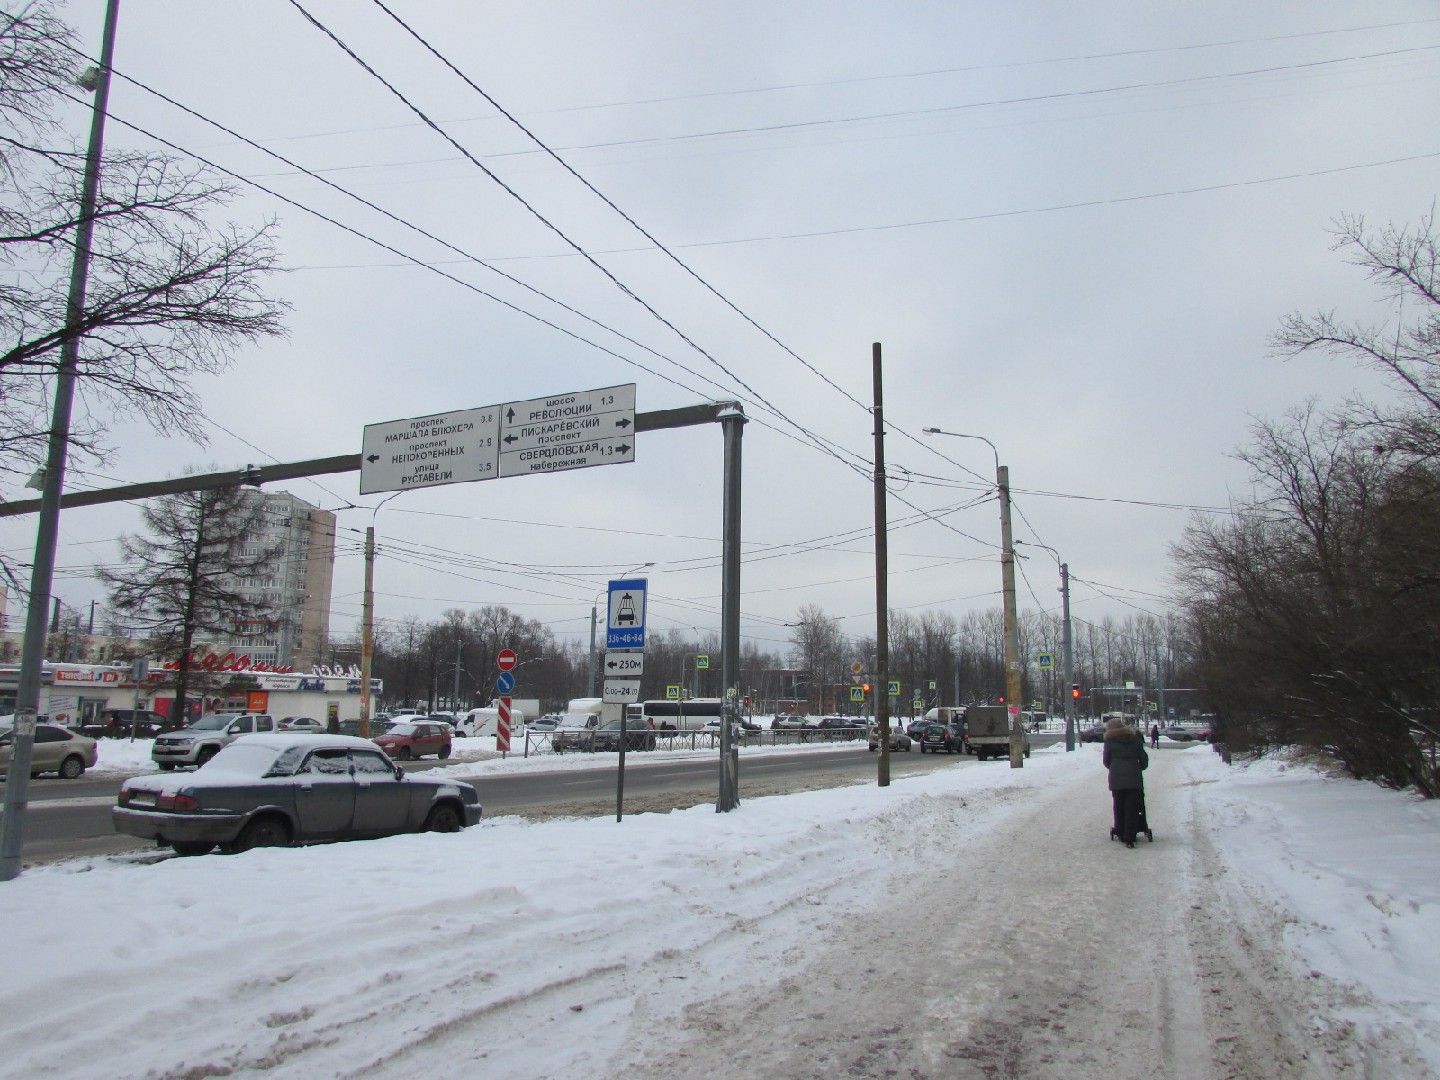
505,660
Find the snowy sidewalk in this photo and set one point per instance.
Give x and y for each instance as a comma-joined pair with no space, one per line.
974,921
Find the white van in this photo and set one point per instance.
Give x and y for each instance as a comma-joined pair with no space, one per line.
478,722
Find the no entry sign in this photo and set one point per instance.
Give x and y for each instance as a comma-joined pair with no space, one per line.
506,660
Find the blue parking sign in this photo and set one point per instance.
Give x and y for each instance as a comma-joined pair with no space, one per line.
625,618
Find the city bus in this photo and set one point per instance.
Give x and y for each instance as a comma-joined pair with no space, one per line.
688,715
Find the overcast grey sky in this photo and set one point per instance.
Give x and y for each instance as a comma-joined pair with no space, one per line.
1072,228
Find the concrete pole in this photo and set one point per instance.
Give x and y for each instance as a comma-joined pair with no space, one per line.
1069,658
455,693
32,657
882,592
1012,622
367,632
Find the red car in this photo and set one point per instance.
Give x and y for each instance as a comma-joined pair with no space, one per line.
415,738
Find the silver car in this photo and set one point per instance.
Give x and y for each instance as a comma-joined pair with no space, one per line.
56,749
273,790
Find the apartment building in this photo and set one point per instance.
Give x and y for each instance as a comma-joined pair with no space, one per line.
298,585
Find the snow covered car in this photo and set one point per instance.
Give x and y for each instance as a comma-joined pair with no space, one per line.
278,789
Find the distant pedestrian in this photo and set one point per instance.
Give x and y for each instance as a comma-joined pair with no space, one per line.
1154,736
1126,760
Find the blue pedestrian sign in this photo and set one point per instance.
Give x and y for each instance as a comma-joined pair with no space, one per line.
625,619
505,682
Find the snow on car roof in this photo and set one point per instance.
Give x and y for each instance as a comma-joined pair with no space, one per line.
281,740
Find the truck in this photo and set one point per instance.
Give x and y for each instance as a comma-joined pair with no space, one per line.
989,731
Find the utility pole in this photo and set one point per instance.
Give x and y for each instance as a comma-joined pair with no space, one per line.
32,657
594,690
455,696
1069,659
882,592
367,633
1012,621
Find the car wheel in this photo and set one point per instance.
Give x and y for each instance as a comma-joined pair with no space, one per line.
166,766
404,753
443,818
265,831
191,847
71,767
205,755
444,752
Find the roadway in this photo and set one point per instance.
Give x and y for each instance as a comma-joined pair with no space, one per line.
71,818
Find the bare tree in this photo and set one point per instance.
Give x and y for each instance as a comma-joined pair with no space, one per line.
195,575
170,295
1314,608
1405,264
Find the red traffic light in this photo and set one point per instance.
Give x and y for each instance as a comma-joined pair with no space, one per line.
1000,700
865,687
1075,690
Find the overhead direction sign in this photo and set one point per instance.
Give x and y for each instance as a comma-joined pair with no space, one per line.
568,431
625,621
574,430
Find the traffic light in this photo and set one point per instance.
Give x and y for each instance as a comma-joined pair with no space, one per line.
1000,700
1075,690
865,687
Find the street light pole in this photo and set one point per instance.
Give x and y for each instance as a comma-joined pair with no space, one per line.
1067,643
1013,689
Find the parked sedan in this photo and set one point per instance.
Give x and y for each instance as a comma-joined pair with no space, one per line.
899,740
274,790
638,736
788,722
1093,733
301,723
412,739
55,749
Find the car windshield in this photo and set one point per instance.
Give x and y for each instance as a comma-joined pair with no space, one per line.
247,759
214,722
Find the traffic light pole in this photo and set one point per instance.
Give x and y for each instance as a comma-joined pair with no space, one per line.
882,600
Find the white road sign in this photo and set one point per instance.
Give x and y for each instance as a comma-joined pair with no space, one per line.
552,434
568,431
624,665
426,451
620,690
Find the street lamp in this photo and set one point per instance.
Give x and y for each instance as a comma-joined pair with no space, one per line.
1007,580
594,614
1066,641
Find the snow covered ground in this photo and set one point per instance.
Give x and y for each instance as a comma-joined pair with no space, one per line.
974,921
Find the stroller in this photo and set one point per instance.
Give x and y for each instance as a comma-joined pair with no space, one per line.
1142,825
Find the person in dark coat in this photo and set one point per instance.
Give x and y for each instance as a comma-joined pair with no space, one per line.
1126,759
1154,736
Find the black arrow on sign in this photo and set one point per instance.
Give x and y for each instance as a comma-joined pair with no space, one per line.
511,438
622,423
509,416
373,458
622,448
